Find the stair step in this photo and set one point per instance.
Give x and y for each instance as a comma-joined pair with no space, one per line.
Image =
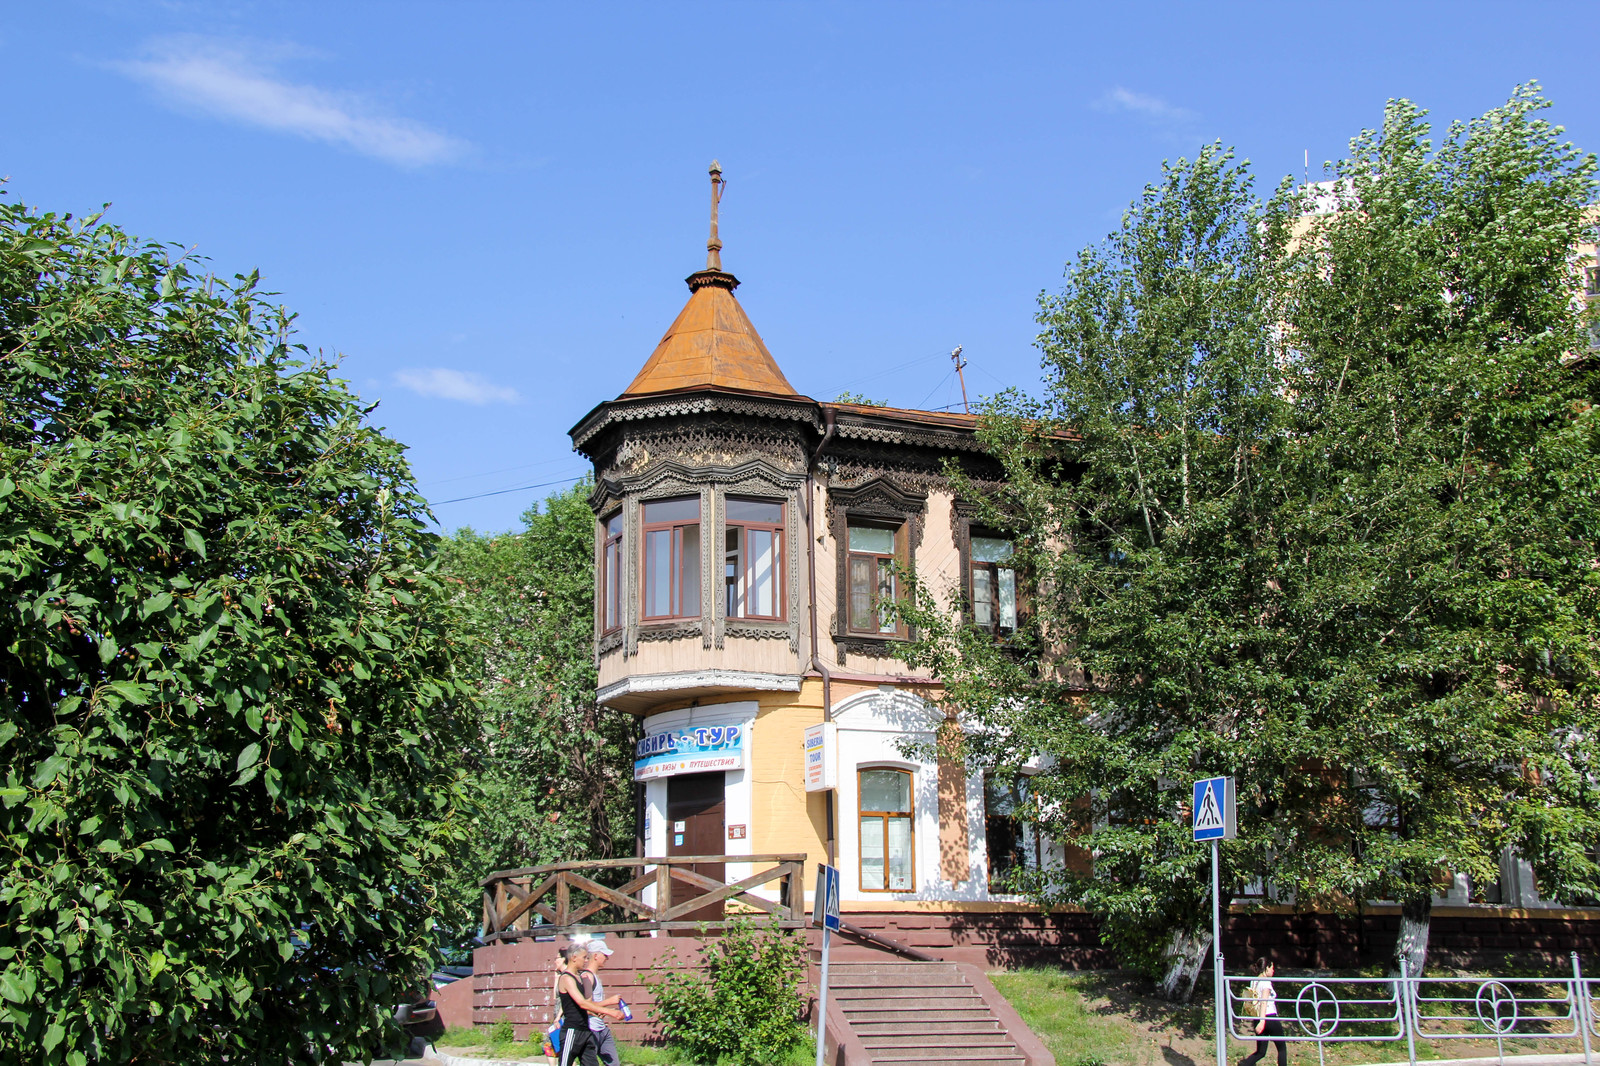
898,980
1015,1060
904,1017
906,966
945,1054
939,1040
883,992
918,1003
892,1028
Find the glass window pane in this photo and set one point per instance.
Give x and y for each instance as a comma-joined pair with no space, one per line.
862,615
657,573
732,572
872,539
899,853
982,597
609,597
886,596
990,550
886,790
614,525
1008,599
689,579
871,852
743,510
681,509
762,594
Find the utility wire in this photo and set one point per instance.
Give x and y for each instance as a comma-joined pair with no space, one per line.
502,492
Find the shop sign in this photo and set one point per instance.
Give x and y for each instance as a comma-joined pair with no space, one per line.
822,761
689,751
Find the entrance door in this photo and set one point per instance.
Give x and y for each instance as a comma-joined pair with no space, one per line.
695,827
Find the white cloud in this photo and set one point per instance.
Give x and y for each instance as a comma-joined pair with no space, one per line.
1148,107
445,384
234,81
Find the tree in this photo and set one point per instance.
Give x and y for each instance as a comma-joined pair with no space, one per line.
1139,491
1449,505
1315,503
228,712
553,769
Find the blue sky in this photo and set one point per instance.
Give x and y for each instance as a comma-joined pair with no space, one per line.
488,209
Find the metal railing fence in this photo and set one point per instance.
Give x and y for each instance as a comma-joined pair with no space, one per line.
1327,1010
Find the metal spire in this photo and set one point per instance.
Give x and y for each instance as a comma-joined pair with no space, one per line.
714,245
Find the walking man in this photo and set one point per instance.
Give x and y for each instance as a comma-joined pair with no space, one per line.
594,989
577,1039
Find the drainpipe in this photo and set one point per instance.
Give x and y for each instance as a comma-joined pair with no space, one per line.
811,555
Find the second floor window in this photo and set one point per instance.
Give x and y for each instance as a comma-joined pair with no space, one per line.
671,532
872,580
994,585
611,574
752,558
887,838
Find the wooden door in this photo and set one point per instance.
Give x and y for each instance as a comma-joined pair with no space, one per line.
695,827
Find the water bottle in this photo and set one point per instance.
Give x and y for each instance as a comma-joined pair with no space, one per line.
627,1011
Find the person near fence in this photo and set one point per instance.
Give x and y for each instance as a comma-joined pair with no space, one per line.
1264,1005
577,1040
595,989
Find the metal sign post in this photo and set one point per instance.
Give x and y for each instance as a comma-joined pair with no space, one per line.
1214,819
825,912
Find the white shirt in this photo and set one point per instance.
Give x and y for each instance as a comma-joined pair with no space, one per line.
1265,998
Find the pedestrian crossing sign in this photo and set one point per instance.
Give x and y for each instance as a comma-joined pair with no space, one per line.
1214,817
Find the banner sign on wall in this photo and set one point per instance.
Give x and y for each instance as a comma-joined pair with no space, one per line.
821,760
689,751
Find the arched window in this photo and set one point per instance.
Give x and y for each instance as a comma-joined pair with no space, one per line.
887,837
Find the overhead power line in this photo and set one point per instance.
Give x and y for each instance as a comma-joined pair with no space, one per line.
502,492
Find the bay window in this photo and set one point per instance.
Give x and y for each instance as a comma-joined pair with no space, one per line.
887,836
752,558
671,531
873,552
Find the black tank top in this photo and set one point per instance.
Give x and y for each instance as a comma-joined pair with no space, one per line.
572,1015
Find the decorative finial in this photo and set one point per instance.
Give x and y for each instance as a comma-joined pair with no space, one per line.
714,245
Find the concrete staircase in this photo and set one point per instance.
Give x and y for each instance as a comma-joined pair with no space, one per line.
929,1013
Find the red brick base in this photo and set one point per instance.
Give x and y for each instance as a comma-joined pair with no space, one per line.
512,982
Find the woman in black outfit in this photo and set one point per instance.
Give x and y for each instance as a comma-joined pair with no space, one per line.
577,1042
1266,1011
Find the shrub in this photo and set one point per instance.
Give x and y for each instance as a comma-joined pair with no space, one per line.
745,1008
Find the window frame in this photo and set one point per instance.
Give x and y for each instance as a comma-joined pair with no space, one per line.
910,816
779,531
1026,828
965,529
676,555
613,579
994,628
895,558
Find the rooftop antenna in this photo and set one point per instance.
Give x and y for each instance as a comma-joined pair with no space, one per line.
955,357
714,245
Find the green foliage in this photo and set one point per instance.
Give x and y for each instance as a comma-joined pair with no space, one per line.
554,769
501,1034
228,715
1331,501
745,1008
1446,512
858,398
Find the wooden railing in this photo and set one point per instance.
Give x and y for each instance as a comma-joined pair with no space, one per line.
565,897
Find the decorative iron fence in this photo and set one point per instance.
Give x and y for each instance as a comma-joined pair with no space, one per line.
1326,1010
666,895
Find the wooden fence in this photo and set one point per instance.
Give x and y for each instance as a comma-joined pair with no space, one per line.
565,898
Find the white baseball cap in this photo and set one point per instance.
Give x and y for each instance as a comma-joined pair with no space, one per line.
598,945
